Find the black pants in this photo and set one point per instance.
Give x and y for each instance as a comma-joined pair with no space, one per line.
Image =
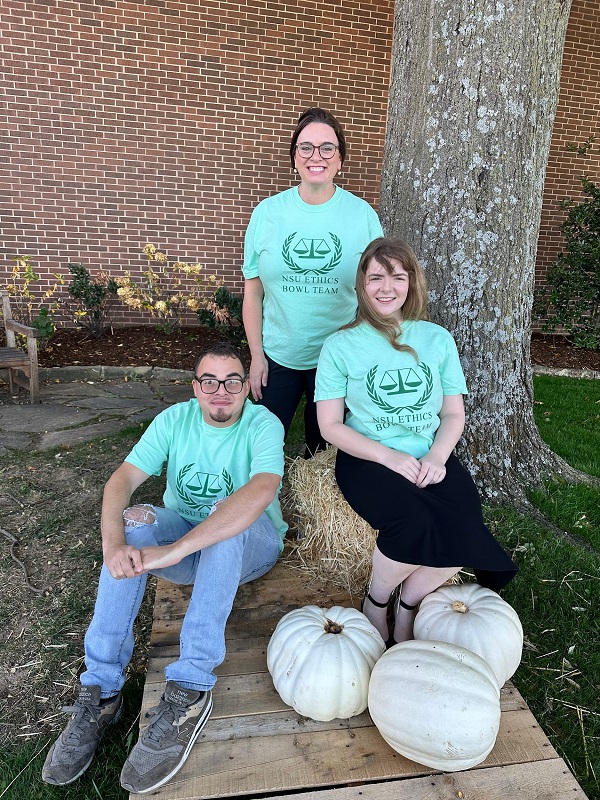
282,395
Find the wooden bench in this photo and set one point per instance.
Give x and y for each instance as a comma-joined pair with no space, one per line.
22,366
254,744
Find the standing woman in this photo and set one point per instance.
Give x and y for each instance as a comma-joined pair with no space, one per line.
300,255
401,380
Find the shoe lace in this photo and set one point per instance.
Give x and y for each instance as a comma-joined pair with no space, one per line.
82,715
166,716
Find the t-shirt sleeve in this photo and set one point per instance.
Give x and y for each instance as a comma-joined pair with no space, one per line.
152,450
267,447
332,375
251,256
451,373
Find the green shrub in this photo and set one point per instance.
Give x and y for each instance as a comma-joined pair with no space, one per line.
224,313
44,324
90,302
570,300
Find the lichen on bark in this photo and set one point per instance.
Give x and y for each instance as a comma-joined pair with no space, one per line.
473,93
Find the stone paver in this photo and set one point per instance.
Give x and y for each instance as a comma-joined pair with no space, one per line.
64,438
79,404
42,417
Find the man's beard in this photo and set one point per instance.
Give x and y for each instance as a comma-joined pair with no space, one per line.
221,415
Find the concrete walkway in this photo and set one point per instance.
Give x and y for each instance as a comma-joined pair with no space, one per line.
83,403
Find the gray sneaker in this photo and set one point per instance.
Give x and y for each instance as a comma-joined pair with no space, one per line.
166,743
73,751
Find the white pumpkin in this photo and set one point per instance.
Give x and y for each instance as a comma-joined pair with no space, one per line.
321,660
435,703
477,618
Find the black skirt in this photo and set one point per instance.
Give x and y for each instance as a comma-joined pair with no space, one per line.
438,526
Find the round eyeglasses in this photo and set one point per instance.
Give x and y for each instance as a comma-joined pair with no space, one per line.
326,150
211,385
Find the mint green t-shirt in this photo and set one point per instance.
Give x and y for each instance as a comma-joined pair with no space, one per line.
206,463
306,258
392,398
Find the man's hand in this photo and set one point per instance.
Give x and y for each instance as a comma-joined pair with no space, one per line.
432,471
159,557
124,561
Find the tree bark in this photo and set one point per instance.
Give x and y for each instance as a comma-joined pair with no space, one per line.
473,93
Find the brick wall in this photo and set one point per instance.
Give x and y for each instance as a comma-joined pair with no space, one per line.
167,121
577,118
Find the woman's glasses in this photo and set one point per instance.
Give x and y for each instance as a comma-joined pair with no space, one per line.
326,150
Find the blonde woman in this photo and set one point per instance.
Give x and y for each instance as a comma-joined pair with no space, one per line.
401,380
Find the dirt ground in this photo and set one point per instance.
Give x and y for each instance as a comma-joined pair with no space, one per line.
50,558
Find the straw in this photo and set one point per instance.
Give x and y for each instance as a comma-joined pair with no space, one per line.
335,545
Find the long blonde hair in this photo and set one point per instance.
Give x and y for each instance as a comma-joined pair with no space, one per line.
384,251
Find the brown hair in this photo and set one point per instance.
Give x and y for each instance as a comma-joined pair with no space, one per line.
221,349
318,115
384,251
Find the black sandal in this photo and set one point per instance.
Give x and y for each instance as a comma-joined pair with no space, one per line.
399,602
368,597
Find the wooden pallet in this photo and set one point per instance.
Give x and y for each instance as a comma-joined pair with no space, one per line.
254,744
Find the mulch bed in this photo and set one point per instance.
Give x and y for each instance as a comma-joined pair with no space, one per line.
141,346
145,345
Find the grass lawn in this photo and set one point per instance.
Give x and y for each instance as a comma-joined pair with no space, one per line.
54,509
557,590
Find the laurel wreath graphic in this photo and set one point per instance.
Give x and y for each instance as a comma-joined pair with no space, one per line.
384,406
228,482
335,259
187,498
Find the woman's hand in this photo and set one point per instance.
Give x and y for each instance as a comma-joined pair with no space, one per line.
407,466
431,471
259,374
252,313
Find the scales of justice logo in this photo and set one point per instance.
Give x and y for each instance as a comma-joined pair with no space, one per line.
199,490
409,386
307,256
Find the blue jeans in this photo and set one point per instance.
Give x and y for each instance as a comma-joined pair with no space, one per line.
215,572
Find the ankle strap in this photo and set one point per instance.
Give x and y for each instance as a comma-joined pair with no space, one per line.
375,603
406,606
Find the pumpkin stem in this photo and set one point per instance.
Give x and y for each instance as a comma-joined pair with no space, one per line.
333,627
459,606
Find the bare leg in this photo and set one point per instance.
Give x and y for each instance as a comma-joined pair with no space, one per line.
387,574
415,587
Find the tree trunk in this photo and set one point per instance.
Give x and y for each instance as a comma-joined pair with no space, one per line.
472,100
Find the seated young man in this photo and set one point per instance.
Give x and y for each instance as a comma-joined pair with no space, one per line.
221,526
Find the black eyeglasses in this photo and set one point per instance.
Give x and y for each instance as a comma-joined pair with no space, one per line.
211,385
326,150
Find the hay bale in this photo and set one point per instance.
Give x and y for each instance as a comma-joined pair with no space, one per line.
336,545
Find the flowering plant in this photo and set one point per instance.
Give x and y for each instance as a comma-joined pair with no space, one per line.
25,304
167,291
